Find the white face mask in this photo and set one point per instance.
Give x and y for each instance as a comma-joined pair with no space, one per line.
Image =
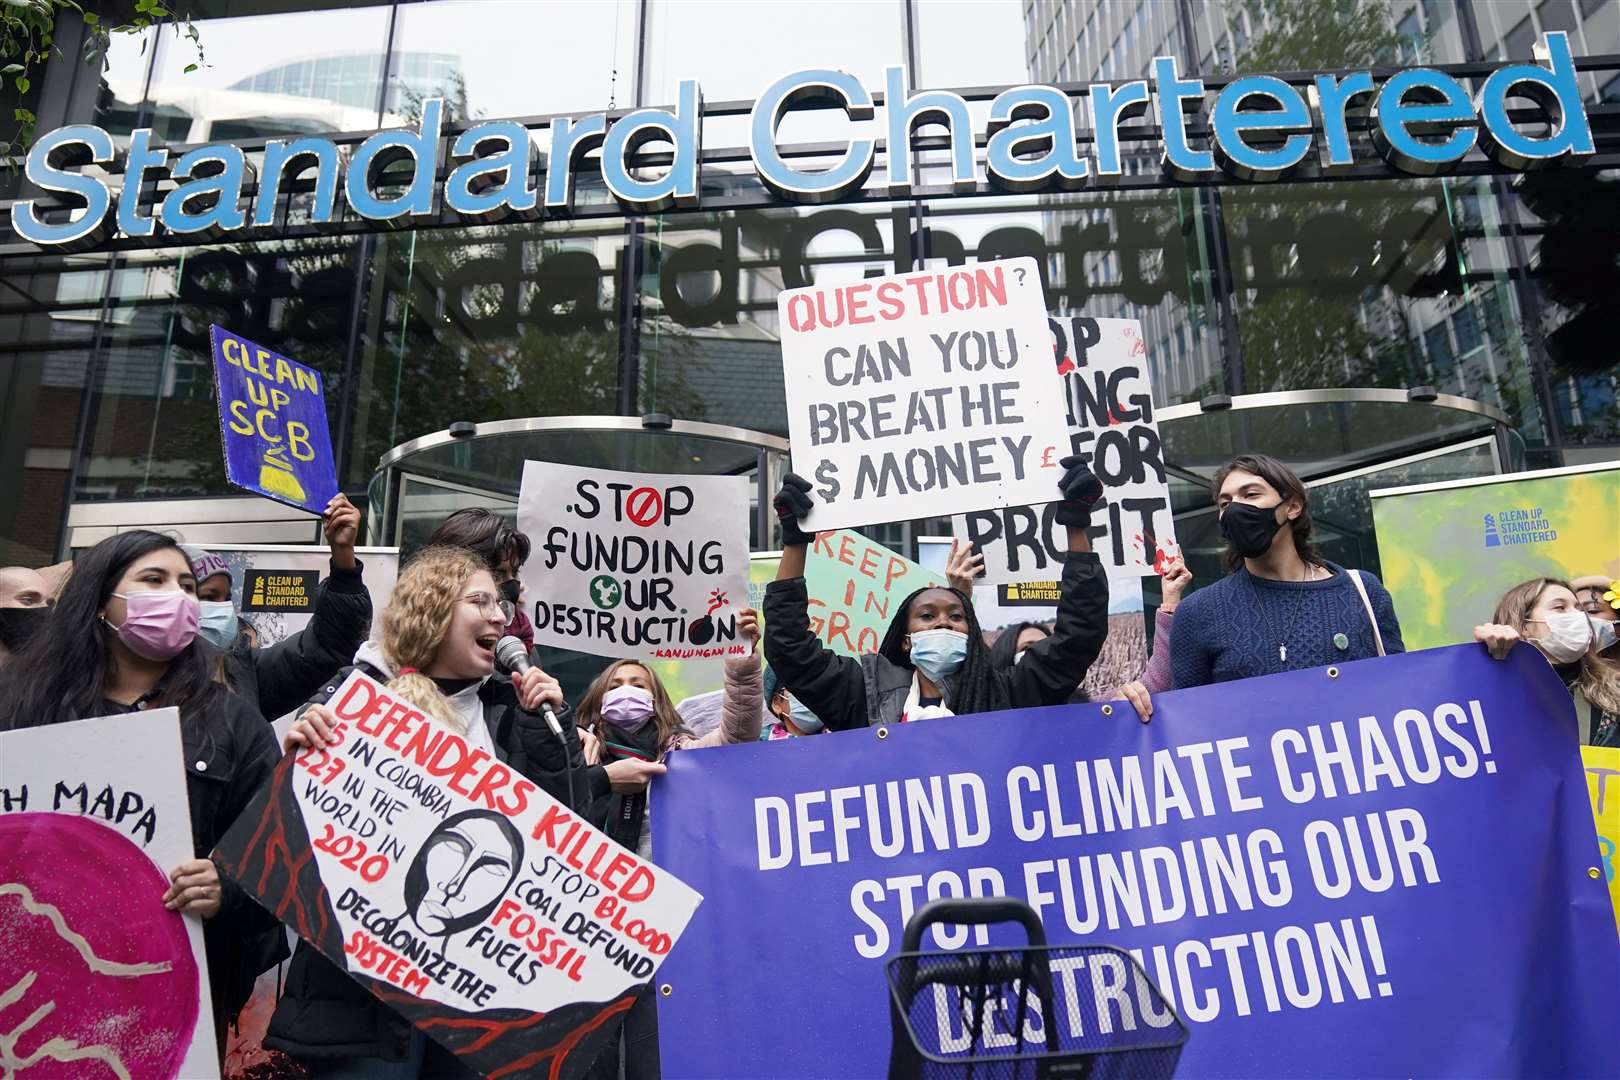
1568,636
1603,633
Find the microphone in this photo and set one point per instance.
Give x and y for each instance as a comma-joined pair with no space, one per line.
513,658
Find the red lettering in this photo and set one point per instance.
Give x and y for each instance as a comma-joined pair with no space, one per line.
355,942
362,711
888,295
821,547
508,908
610,878
838,626
643,877
857,304
869,563
424,741
846,549
490,783
897,569
516,800
415,982
549,821
396,723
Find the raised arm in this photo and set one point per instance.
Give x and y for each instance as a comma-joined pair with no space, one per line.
830,685
1054,666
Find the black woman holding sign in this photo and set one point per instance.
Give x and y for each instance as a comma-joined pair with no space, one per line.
933,661
123,638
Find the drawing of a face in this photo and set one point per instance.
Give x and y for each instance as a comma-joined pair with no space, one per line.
462,871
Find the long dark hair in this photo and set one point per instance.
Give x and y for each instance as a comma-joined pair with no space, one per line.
1288,485
1003,654
61,674
975,685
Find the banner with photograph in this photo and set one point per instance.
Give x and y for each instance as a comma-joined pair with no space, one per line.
1450,550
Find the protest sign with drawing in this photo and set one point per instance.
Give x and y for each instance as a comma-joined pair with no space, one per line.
272,422
636,565
1297,860
1110,419
919,394
462,895
95,974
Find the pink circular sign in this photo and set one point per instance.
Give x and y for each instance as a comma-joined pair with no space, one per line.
93,970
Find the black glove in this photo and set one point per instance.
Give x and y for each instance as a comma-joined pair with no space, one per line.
792,503
1081,490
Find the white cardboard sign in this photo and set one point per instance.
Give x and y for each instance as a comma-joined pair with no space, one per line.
96,976
641,565
922,394
1109,397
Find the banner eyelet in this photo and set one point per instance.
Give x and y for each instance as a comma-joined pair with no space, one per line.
1108,710
883,732
666,989
1333,673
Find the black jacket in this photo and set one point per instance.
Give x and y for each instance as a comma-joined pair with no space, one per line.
325,1014
846,692
282,676
230,753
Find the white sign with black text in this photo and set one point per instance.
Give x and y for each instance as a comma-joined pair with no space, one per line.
919,395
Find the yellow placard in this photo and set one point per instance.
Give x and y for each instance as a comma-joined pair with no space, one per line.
1603,786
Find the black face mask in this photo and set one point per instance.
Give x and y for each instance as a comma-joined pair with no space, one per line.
18,625
510,590
1250,529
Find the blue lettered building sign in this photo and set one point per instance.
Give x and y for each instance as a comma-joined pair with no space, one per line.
272,419
1418,121
1388,869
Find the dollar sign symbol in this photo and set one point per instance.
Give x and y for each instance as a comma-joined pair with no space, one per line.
827,477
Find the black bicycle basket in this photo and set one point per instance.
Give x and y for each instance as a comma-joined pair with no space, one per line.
1076,1012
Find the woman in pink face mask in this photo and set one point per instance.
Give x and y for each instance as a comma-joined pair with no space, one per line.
123,638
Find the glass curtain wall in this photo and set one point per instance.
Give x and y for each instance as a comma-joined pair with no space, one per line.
1487,288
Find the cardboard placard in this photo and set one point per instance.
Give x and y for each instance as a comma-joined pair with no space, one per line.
639,565
96,976
462,895
922,394
272,423
1109,397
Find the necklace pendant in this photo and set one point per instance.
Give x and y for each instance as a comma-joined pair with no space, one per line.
1282,653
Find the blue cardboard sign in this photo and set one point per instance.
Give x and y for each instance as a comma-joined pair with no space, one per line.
272,422
1385,869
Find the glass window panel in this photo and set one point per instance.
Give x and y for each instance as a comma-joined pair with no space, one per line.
268,74
502,58
975,43
719,43
1557,15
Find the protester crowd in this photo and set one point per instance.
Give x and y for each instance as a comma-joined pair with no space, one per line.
142,623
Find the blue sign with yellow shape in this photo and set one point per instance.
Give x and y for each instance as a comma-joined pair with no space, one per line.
272,421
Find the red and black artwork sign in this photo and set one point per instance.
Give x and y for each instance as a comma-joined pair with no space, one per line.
456,890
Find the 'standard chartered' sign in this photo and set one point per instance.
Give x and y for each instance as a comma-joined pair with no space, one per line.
1261,127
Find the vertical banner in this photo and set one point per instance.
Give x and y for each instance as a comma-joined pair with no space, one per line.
463,896
918,395
1319,869
638,565
272,420
1450,550
1603,785
97,978
1110,419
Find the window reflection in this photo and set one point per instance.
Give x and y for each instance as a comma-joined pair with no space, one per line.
301,72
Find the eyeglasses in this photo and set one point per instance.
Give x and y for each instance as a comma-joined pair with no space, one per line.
491,607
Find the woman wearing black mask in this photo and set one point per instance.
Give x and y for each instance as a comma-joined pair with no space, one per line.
25,601
1283,607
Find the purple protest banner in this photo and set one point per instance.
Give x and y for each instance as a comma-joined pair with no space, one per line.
272,423
1383,869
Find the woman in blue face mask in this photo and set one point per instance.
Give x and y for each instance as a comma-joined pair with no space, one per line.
790,717
933,661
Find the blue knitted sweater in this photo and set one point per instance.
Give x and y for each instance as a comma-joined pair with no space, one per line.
1242,626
